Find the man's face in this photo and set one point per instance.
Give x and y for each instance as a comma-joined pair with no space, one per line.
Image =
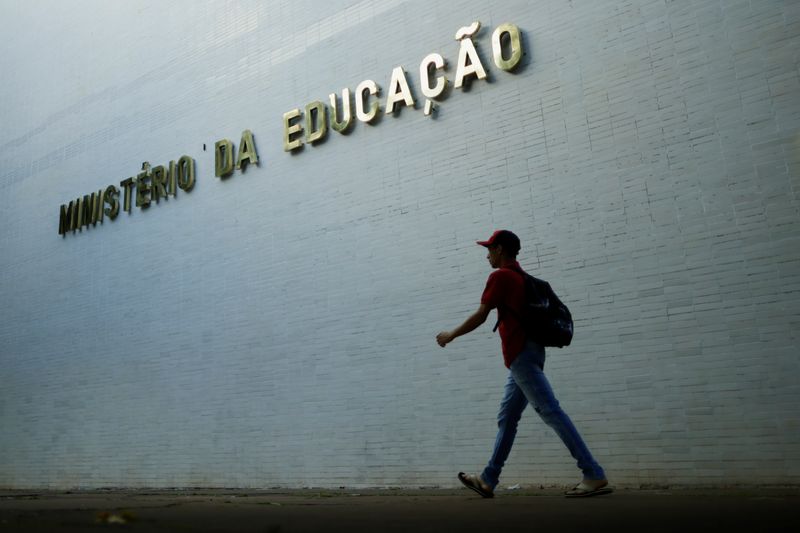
495,252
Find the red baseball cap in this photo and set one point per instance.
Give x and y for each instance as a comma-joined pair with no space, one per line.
504,237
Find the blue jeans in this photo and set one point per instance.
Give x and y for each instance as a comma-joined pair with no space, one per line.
528,384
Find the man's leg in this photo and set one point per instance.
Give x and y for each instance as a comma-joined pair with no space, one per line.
511,408
530,378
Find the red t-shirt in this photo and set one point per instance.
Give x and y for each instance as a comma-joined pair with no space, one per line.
505,289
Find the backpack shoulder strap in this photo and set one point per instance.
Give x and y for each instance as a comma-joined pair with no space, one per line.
524,275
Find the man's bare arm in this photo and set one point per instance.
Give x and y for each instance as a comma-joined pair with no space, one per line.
476,319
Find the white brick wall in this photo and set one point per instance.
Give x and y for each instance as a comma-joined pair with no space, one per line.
277,328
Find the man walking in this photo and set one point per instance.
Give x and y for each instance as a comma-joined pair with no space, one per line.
505,291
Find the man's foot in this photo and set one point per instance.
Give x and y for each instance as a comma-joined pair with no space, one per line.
589,487
476,483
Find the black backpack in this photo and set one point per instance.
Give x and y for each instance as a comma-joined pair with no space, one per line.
545,318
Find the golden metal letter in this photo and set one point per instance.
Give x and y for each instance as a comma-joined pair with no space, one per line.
371,88
347,114
247,151
75,214
316,122
79,221
223,158
159,182
290,129
143,186
437,62
172,187
127,185
185,173
88,210
65,218
111,197
97,207
515,42
467,53
468,31
398,91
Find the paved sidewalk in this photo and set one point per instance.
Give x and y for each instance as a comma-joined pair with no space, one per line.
729,510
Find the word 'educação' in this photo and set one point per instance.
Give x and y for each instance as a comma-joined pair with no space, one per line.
469,65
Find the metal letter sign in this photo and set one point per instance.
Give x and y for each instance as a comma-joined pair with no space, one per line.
309,127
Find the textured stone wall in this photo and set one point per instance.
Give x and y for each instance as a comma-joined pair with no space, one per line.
276,328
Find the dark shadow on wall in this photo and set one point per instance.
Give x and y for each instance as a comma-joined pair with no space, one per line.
527,52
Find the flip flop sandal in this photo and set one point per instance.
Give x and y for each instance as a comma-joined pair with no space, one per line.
582,490
473,482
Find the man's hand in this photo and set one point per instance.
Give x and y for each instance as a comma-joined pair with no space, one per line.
443,338
476,319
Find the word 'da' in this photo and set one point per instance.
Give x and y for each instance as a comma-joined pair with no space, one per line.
225,152
506,52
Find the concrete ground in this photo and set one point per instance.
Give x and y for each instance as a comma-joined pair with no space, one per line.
729,510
